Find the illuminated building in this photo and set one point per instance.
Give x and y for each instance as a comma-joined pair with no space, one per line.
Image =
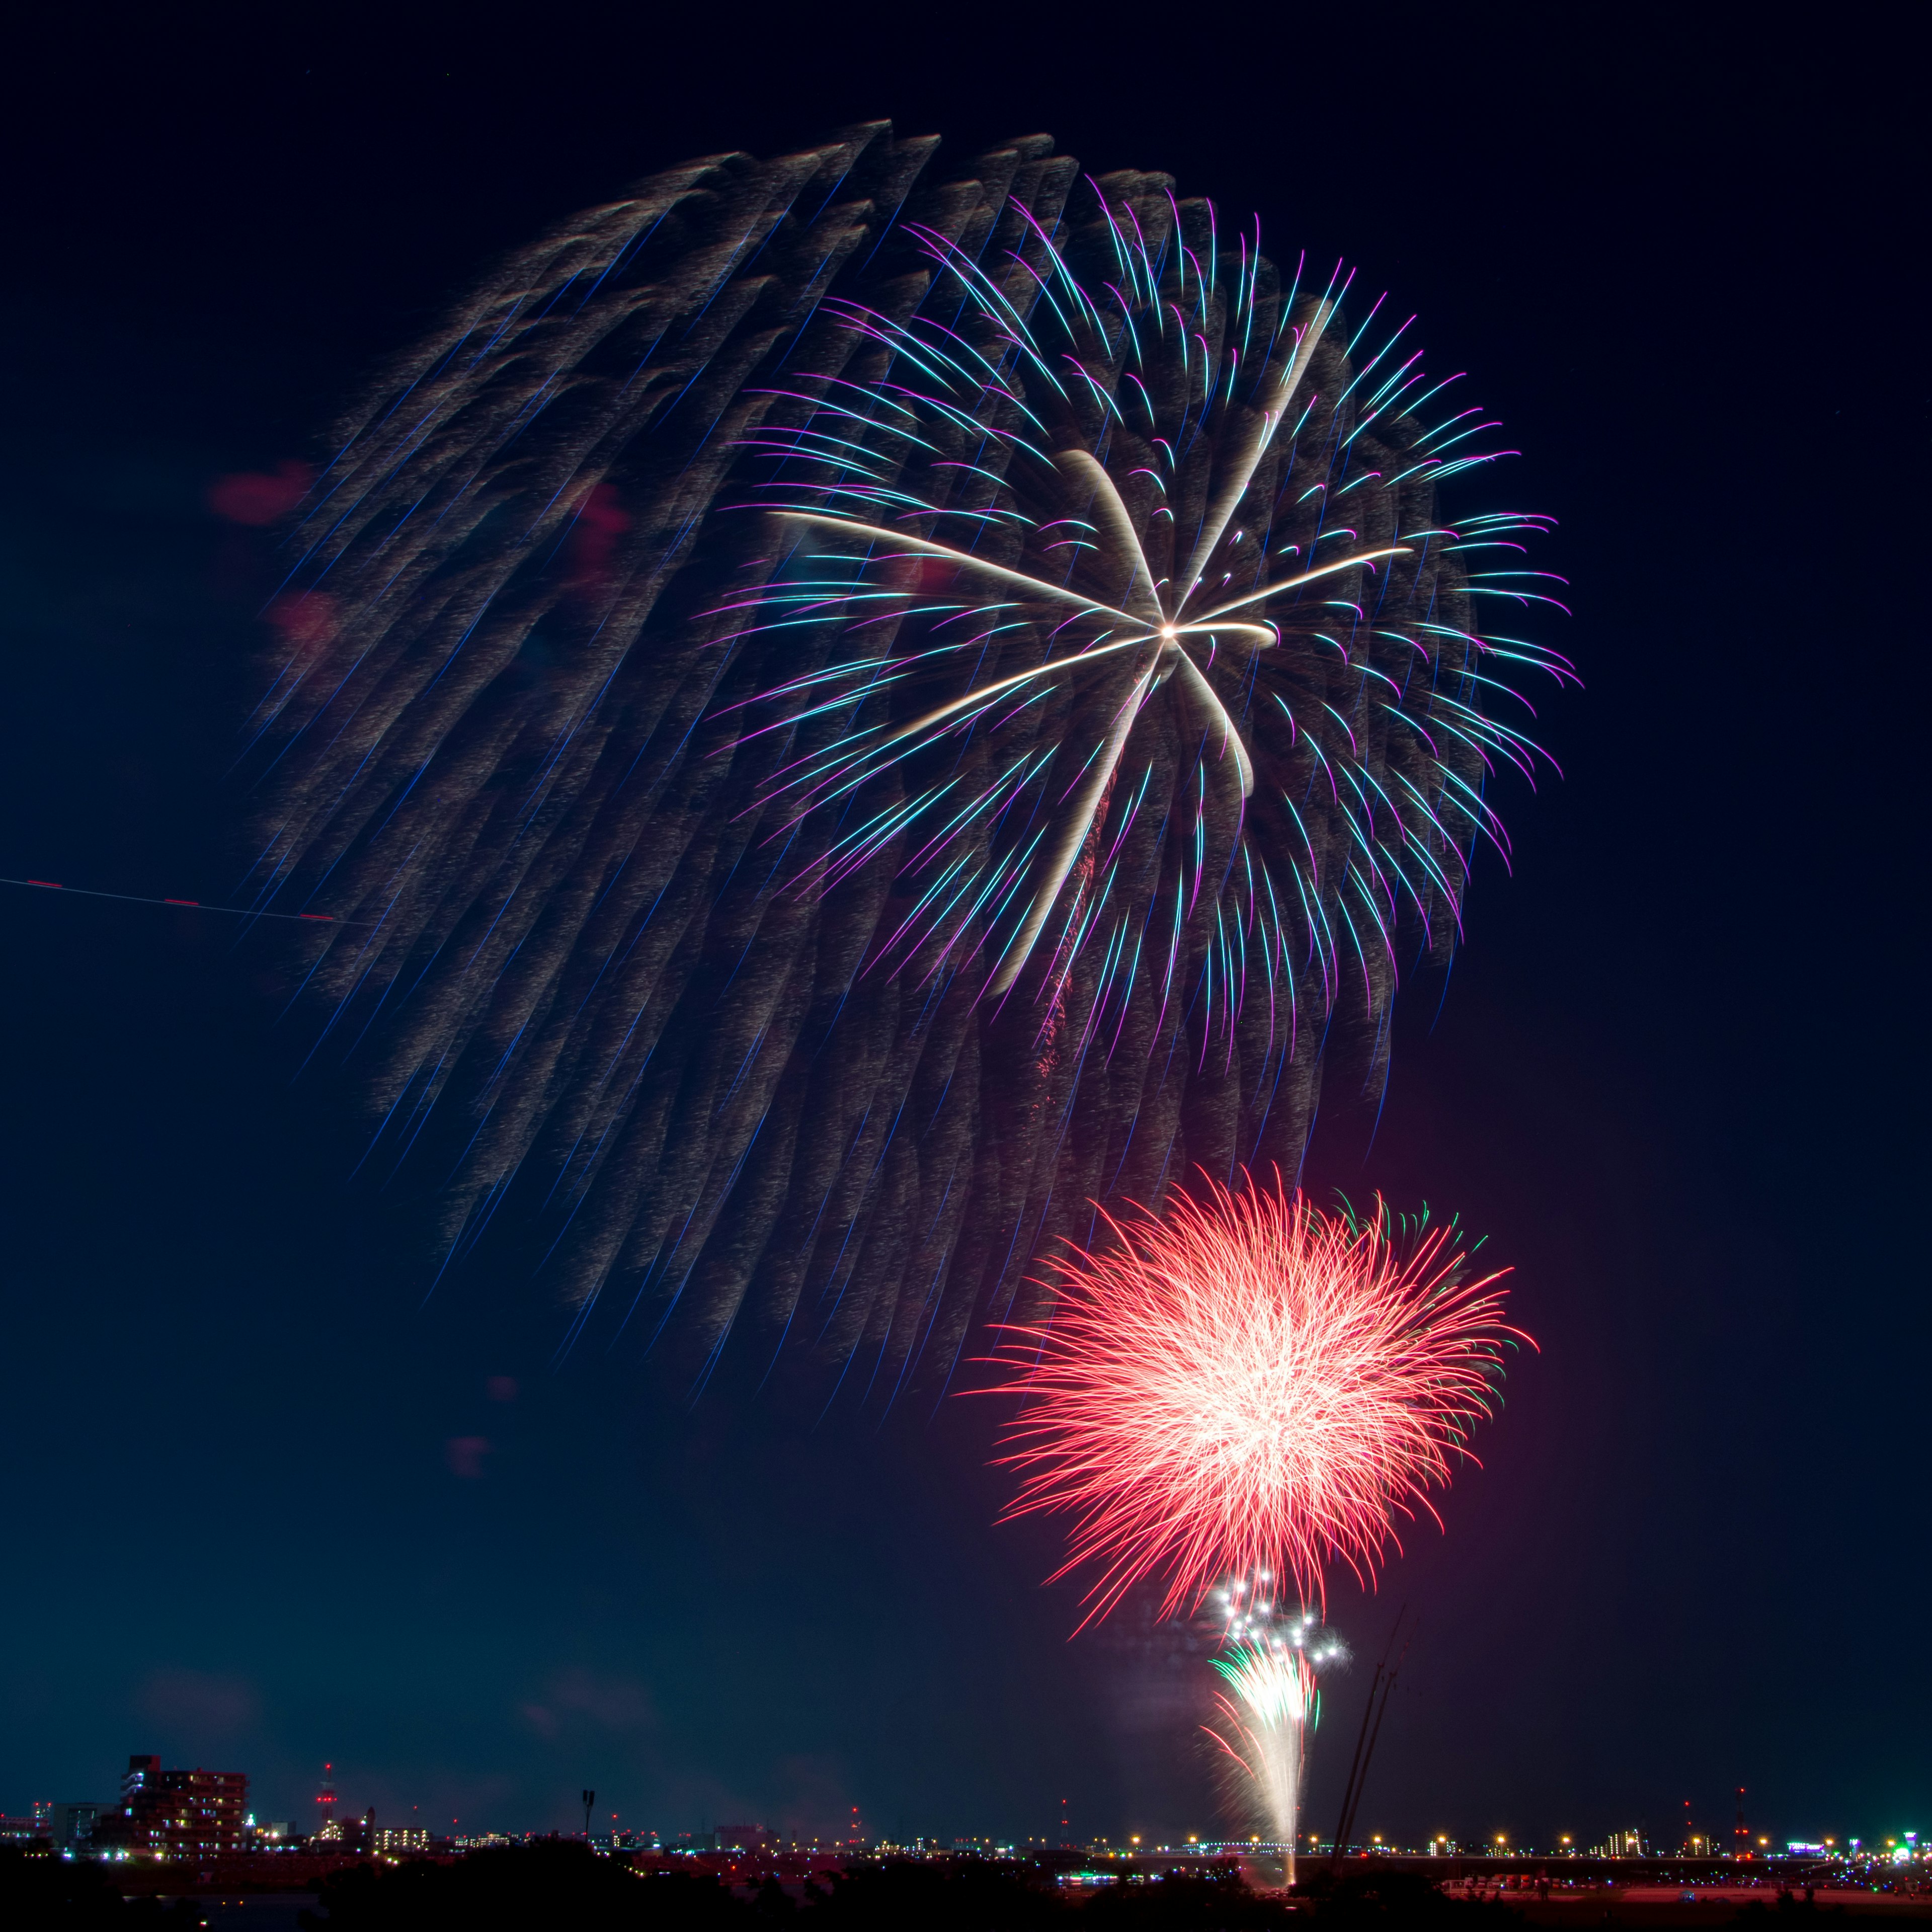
72,1825
1620,1845
175,1814
347,1835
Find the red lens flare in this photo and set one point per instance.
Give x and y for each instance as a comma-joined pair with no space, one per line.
1245,1386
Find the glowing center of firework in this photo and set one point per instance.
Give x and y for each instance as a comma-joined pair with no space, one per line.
1167,632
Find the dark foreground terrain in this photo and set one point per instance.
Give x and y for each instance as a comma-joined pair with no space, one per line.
564,1885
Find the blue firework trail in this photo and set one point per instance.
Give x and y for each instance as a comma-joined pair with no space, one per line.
860,709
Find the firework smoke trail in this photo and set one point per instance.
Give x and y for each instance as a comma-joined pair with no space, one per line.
1246,1386
858,709
1265,1724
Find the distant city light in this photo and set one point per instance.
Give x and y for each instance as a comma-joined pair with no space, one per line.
182,1815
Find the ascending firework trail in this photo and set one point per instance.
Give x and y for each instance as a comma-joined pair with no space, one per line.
1265,1716
864,708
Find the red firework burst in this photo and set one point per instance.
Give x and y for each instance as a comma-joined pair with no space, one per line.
1246,1386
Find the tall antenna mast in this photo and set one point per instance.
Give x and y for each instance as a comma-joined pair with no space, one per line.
1365,1741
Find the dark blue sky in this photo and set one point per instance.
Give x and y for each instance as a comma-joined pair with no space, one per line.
1677,1076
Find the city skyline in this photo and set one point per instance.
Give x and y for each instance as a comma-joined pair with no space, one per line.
218,1819
1727,1825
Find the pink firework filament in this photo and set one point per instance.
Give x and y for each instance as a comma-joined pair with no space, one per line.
1245,1386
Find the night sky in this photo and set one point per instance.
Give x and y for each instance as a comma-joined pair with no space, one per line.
251,1522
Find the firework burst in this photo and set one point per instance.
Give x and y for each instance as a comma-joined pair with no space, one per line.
1247,1386
1088,577
845,705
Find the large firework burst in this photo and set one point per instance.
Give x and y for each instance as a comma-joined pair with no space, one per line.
1120,531
844,712
1245,1386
